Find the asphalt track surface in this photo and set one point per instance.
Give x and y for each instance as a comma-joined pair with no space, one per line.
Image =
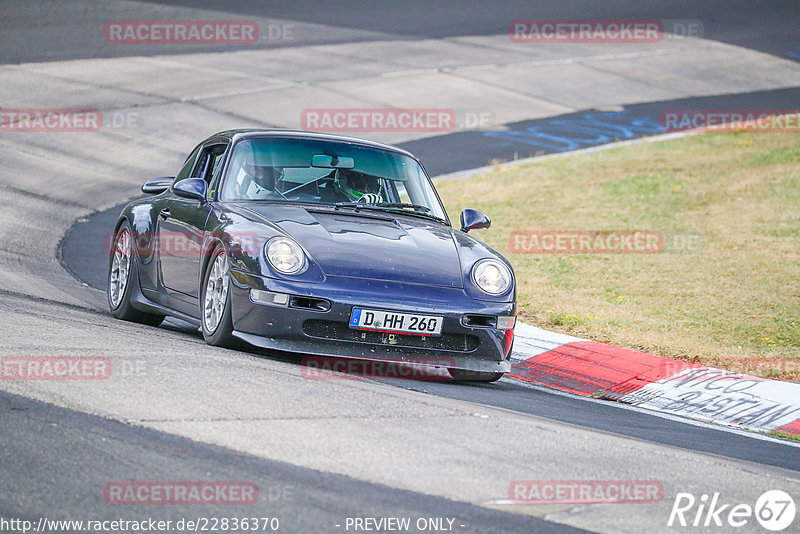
304,500
57,458
770,28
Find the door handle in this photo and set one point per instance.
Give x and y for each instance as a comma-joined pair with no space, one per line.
165,213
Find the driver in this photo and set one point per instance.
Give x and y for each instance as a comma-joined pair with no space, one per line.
358,187
257,182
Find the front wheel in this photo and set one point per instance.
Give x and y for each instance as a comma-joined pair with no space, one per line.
215,302
462,375
122,272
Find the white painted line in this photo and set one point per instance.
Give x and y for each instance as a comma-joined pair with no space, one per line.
410,72
533,63
253,90
489,66
588,59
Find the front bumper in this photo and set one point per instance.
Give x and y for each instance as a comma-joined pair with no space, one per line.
320,332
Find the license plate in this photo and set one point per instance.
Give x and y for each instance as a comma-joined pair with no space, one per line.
395,322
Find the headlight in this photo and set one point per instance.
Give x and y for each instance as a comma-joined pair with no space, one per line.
285,255
491,276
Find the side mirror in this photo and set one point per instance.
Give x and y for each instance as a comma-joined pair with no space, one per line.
156,186
474,220
194,188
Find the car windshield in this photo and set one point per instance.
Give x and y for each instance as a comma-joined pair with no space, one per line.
338,174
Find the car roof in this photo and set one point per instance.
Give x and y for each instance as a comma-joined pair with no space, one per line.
245,133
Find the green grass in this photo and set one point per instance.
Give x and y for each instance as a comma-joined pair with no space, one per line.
726,289
784,435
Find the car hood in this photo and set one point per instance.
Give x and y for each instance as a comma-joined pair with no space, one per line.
369,244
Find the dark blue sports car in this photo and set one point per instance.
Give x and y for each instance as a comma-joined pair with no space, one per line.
315,244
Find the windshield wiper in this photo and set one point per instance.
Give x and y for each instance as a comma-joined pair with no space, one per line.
392,207
415,207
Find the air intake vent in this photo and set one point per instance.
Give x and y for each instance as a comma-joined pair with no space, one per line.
310,303
480,321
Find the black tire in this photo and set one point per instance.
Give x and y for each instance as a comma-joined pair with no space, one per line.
486,377
123,308
222,333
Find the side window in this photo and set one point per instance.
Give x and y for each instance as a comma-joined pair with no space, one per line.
217,165
209,162
210,165
187,166
201,169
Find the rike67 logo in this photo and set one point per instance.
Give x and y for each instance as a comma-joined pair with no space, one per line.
774,510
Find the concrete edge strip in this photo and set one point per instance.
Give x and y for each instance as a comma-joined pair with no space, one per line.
590,368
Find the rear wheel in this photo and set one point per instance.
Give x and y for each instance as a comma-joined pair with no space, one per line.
463,375
216,302
122,271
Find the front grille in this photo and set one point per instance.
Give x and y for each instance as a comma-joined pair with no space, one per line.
341,332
